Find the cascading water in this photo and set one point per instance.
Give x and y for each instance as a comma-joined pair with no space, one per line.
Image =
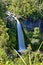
21,43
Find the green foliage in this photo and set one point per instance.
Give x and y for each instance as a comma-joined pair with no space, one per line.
3,33
35,38
8,55
36,31
36,34
28,33
4,37
3,8
12,34
29,57
25,8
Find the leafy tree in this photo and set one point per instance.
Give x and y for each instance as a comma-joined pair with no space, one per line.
3,8
36,38
3,33
23,8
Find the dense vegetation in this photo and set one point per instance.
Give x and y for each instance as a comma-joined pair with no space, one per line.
8,33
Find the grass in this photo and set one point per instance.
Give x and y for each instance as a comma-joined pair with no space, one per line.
29,57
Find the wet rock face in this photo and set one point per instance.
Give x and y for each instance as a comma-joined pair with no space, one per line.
41,27
30,24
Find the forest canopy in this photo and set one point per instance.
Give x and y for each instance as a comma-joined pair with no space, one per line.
23,8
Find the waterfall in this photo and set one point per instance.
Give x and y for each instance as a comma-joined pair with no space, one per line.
21,43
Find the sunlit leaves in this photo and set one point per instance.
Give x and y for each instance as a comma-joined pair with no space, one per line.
3,33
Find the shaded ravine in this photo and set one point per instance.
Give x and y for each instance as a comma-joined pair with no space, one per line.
21,43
